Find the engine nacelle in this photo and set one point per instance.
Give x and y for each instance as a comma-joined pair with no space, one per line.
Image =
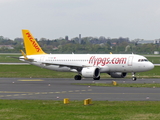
118,74
90,72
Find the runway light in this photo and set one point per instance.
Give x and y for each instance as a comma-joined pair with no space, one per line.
57,97
49,84
154,87
13,82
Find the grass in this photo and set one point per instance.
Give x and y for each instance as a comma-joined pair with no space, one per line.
30,71
75,110
7,58
154,59
137,85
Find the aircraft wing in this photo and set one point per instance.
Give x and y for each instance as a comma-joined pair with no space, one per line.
67,65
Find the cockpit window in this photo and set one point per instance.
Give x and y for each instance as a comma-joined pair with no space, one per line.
142,60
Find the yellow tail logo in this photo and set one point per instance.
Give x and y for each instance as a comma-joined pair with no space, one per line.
31,45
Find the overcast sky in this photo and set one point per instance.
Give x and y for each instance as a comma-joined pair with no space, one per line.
53,19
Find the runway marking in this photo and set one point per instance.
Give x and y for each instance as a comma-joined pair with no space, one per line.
77,90
57,92
12,92
70,91
16,95
40,93
31,80
83,90
8,95
51,92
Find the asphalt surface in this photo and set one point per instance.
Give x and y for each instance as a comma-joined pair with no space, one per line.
58,89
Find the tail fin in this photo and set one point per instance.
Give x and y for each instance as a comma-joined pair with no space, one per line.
31,45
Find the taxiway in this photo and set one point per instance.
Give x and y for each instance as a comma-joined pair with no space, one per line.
58,89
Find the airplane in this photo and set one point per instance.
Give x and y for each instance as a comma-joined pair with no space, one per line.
85,65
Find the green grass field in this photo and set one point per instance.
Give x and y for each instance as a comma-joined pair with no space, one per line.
8,59
137,85
154,60
30,71
75,110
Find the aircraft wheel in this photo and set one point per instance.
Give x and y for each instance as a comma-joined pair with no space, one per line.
77,77
97,78
134,78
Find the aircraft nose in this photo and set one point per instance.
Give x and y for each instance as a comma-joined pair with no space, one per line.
150,66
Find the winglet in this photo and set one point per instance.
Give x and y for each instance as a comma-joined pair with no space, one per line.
31,45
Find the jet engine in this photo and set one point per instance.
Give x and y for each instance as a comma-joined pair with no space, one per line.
117,74
90,72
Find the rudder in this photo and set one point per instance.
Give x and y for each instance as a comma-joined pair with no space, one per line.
31,45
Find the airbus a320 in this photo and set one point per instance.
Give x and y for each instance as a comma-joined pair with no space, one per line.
85,65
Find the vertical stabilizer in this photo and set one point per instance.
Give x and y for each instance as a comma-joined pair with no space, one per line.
31,45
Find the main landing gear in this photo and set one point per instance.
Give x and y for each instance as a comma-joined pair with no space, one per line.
98,78
133,76
79,77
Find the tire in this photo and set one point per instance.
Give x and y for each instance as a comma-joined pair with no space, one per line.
97,78
77,77
134,78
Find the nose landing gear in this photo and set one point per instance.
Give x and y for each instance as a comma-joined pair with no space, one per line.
133,76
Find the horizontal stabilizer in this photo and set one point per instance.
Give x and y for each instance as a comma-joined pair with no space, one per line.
13,57
25,57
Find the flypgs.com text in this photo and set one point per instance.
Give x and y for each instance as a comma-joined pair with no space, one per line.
103,61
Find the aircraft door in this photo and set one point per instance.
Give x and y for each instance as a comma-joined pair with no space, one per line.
42,58
130,60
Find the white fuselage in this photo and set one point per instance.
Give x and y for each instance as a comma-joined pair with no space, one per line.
105,62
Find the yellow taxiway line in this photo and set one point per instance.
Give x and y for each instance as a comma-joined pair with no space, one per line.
32,80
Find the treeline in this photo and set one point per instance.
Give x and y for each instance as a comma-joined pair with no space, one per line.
85,45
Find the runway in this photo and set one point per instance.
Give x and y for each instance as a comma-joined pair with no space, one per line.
58,89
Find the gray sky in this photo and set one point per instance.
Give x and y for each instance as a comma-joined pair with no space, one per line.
57,18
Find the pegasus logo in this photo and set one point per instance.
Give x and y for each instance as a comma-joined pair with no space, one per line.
33,42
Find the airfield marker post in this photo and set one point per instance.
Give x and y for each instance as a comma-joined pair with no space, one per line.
66,100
